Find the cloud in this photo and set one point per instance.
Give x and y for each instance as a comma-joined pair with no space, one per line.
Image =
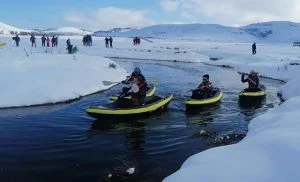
239,12
169,5
109,17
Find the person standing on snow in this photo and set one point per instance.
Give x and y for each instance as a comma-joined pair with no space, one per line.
43,41
48,41
53,41
106,42
69,46
110,41
32,39
56,41
254,48
17,40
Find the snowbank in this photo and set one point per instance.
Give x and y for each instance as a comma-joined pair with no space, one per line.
44,78
269,152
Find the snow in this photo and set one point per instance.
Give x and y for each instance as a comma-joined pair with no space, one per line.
67,31
268,152
45,77
266,32
6,29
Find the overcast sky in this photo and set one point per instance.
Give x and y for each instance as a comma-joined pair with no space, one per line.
106,14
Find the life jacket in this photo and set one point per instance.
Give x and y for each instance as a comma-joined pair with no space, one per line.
138,97
204,84
251,80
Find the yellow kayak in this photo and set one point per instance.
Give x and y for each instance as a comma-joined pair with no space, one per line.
150,92
259,94
152,104
217,96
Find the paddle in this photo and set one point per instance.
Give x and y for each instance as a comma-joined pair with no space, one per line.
107,83
255,84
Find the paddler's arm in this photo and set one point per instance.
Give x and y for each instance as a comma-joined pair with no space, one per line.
243,78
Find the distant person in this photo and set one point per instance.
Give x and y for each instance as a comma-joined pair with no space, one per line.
53,41
204,90
56,41
32,40
253,82
17,40
254,48
69,46
110,42
106,42
43,41
90,40
48,41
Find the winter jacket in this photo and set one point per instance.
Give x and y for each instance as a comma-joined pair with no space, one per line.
253,82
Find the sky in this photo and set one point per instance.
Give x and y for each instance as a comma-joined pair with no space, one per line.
107,14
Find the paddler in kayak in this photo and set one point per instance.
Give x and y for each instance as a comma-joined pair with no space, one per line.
204,90
137,93
136,73
253,82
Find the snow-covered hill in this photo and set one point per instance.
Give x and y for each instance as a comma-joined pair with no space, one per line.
7,29
66,31
276,31
112,31
207,32
279,31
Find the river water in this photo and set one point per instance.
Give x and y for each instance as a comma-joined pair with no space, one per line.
61,143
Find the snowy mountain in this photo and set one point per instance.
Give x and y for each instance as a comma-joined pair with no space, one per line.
66,31
276,31
279,31
112,31
7,29
208,32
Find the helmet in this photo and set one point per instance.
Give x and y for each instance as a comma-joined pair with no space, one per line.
137,70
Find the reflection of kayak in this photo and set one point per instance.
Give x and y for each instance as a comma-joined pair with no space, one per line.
150,92
153,103
216,97
2,45
253,95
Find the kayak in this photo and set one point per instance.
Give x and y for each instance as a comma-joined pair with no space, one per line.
150,92
215,98
252,95
152,104
2,45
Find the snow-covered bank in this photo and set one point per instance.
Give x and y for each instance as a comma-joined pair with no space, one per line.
269,152
44,78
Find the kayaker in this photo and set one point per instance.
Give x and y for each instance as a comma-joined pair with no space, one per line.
134,92
136,73
253,81
204,90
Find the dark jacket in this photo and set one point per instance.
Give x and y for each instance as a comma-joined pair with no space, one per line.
253,82
205,86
